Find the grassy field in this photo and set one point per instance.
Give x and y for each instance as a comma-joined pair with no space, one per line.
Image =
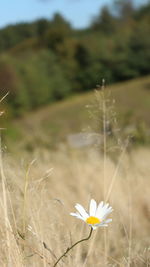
40,190
40,186
52,124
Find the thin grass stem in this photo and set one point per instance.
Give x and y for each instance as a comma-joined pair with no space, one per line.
68,249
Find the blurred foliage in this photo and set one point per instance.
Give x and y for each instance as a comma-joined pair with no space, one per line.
47,60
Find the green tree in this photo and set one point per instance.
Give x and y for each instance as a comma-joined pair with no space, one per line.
59,30
139,57
42,26
105,22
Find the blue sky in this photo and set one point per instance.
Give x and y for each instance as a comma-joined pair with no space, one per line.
78,12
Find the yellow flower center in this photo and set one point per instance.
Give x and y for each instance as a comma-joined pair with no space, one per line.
92,220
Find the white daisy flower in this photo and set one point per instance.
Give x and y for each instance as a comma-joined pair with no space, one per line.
96,217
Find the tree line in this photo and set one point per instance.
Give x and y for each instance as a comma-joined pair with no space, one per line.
47,60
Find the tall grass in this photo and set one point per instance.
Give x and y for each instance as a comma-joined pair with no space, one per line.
39,190
51,195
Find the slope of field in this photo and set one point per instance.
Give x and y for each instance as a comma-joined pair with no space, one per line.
52,124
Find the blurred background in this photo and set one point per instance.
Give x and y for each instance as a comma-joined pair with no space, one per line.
53,53
75,125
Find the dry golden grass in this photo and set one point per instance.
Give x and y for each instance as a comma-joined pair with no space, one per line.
40,190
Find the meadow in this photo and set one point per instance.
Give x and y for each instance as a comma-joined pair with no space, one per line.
52,123
40,187
40,190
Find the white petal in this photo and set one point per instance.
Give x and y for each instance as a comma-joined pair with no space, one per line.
106,213
77,215
99,208
93,207
108,221
105,208
104,225
103,212
82,211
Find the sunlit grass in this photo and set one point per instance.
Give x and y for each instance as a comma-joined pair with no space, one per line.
50,198
39,188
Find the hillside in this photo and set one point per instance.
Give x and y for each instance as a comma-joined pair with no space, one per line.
51,124
48,60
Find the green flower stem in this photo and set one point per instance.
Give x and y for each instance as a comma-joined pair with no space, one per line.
68,249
